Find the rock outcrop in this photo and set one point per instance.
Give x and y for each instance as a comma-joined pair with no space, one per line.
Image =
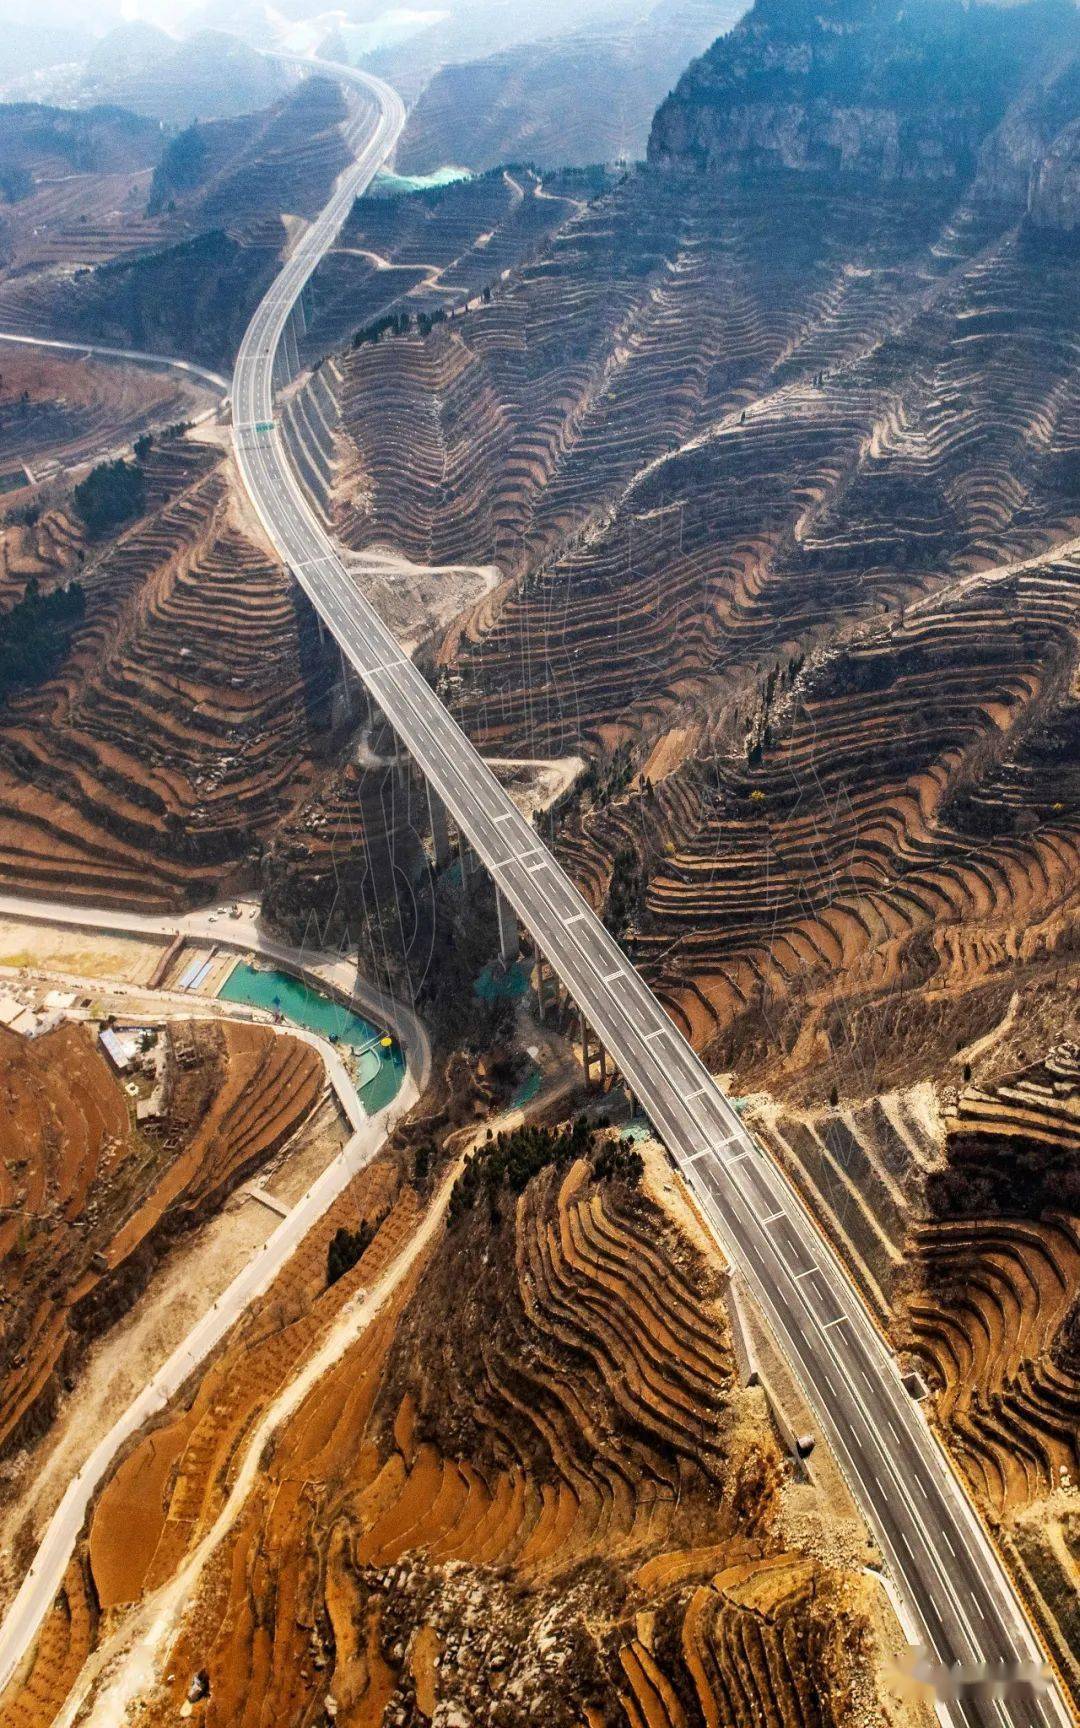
1033,158
874,89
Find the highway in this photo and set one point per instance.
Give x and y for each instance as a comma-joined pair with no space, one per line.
137,355
952,1583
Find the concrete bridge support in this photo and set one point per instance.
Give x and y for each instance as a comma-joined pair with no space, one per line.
509,939
440,829
542,986
588,1039
586,1053
348,707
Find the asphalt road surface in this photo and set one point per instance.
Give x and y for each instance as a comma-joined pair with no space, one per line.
952,1583
137,355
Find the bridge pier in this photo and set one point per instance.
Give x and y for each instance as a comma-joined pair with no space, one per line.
586,1059
440,830
509,939
541,986
588,1038
352,687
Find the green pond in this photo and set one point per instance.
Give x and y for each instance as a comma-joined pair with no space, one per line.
378,1068
387,184
636,1129
496,980
527,1090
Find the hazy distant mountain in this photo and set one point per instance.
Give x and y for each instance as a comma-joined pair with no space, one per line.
59,15
584,97
209,75
27,48
461,31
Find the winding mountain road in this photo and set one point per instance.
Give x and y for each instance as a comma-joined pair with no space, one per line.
950,1579
137,356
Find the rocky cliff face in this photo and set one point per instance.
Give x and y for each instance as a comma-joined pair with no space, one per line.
1055,195
1033,158
892,92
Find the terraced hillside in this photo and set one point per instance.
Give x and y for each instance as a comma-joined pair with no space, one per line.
855,846
47,548
63,410
550,1487
338,862
726,449
999,1281
176,264
149,768
241,173
957,1211
991,1310
73,184
430,251
90,1202
604,389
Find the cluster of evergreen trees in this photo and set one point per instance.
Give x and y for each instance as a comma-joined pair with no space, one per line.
510,1161
34,634
624,890
16,182
619,1161
112,493
181,168
346,1247
398,323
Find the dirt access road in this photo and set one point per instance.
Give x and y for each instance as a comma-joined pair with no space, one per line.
46,1573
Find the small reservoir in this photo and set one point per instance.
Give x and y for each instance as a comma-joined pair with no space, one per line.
376,1061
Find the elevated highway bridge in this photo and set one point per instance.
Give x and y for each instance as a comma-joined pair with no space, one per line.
956,1595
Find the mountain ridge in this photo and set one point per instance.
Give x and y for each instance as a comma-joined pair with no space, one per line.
871,88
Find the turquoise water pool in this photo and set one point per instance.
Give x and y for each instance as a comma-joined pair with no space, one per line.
636,1129
387,184
497,980
379,1067
527,1090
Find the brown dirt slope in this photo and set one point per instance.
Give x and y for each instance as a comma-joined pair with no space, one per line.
532,1477
742,456
70,409
173,1482
88,1202
958,1212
